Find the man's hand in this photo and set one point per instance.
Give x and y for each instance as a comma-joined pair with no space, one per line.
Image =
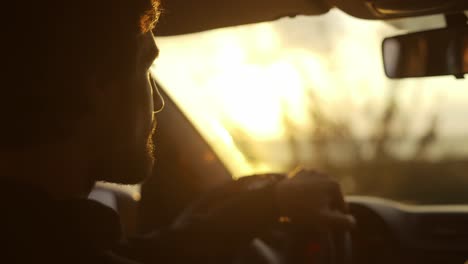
313,199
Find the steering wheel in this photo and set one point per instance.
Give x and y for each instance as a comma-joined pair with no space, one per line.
284,243
288,245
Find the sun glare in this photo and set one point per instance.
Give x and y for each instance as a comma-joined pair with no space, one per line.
264,79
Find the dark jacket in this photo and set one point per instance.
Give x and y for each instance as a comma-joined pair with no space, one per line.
39,229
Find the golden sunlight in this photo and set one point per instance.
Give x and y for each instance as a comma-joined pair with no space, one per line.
255,85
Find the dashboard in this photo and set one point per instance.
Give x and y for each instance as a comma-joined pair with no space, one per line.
390,232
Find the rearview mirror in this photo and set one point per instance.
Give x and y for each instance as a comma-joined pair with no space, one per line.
429,53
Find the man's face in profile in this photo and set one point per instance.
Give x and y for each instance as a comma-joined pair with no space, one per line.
127,143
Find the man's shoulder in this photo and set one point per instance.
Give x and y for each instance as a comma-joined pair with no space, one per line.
37,229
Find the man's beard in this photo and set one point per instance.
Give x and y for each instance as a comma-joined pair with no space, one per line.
127,164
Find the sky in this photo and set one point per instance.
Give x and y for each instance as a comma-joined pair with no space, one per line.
250,77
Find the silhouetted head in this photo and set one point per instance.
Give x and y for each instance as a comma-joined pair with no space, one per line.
77,71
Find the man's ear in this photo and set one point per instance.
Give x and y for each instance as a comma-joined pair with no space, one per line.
96,124
97,86
95,96
99,91
109,96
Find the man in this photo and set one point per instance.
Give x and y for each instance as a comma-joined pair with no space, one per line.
76,108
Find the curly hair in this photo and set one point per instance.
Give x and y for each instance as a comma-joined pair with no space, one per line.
149,19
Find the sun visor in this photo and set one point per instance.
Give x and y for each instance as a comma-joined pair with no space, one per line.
190,16
388,9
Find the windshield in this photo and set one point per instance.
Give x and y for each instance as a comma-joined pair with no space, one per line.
311,91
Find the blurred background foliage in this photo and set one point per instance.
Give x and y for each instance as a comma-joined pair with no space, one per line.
311,91
370,166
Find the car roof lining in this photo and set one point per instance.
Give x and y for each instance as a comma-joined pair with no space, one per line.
185,16
181,17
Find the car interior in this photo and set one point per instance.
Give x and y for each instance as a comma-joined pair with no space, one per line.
419,48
